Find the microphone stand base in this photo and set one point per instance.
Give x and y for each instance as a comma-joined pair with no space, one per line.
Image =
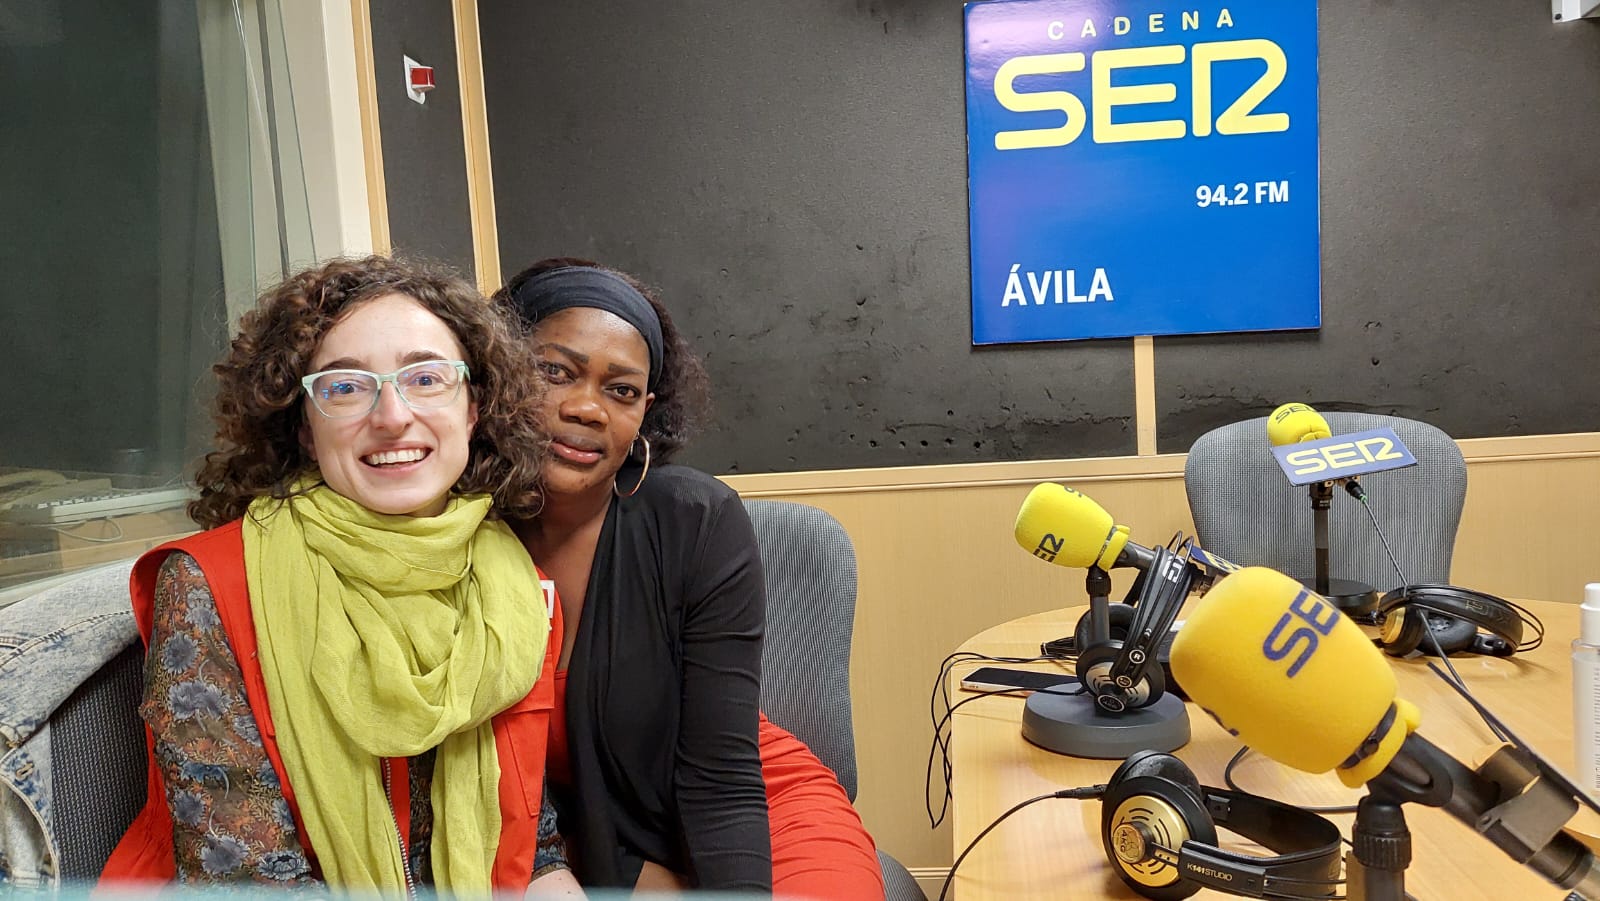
1075,726
1356,600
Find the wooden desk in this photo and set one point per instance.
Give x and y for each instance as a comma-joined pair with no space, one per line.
1052,848
32,552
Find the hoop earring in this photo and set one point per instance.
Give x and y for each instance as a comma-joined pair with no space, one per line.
646,471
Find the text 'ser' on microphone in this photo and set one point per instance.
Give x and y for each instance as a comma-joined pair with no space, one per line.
1275,662
1280,668
1296,423
1062,526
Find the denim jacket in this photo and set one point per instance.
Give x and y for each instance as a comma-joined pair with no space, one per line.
50,643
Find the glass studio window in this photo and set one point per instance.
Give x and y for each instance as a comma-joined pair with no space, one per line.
151,172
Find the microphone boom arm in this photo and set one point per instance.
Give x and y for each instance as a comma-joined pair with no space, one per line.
1506,800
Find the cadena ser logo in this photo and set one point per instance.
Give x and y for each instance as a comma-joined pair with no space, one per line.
1141,167
1239,117
1343,456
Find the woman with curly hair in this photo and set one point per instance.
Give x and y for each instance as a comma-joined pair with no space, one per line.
343,677
665,773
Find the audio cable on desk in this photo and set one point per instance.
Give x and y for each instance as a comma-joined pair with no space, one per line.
941,690
1500,729
1078,793
1434,599
1159,830
941,745
1183,852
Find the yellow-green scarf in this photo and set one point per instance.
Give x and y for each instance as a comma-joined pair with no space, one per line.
384,636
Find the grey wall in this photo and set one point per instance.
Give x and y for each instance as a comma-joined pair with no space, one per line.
424,152
793,177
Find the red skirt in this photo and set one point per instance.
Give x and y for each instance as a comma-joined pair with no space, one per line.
820,850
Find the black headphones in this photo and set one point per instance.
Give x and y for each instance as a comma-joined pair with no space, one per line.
1458,619
1159,828
1123,670
1096,659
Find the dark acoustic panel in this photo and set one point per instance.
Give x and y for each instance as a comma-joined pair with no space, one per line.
1460,222
424,151
793,178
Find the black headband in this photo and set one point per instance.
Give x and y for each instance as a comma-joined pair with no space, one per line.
585,286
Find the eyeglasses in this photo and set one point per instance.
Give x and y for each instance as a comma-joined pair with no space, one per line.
342,393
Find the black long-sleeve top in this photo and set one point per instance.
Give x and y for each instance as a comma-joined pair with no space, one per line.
662,692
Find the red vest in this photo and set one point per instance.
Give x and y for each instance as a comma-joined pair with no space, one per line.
146,854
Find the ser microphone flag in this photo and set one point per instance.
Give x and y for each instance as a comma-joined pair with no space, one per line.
1308,452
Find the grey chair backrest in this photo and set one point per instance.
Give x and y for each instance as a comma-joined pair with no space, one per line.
810,569
97,760
72,658
1245,509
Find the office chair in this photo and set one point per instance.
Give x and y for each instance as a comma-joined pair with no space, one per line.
1245,509
97,752
74,659
810,569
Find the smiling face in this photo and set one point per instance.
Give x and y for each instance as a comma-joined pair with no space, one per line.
597,367
394,459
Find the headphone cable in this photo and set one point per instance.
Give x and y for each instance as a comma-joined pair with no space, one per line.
1555,775
1227,779
1092,792
1087,792
941,691
943,744
1405,583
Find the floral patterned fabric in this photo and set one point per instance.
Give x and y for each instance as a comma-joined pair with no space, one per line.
230,820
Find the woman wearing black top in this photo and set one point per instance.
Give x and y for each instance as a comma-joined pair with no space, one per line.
665,773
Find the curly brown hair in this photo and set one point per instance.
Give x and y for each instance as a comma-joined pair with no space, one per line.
683,391
259,410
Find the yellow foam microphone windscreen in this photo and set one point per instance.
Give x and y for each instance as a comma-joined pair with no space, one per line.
1294,423
1291,676
1062,526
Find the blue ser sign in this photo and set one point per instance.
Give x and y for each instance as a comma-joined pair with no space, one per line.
1142,167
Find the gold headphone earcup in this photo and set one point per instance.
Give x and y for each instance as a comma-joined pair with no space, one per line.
1145,811
1401,630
